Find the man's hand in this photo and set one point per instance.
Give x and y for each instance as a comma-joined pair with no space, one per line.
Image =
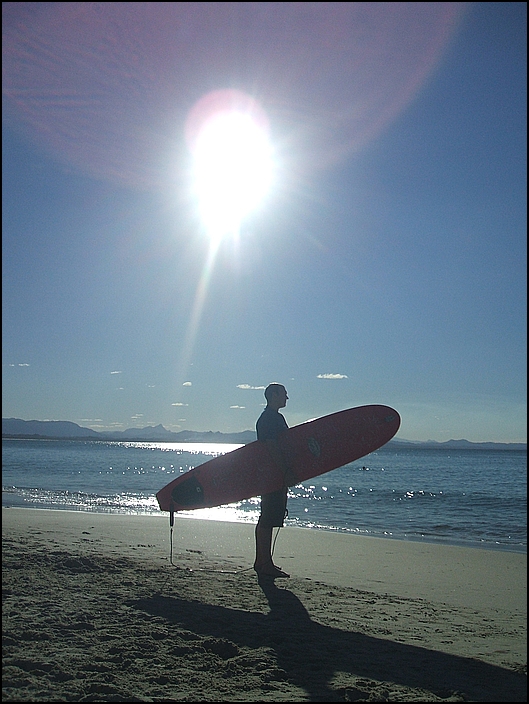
289,478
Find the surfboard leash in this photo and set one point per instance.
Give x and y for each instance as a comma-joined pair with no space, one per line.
188,569
171,526
203,569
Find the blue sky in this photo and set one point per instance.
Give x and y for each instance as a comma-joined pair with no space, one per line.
387,264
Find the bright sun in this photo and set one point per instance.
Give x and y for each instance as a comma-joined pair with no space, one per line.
233,166
227,134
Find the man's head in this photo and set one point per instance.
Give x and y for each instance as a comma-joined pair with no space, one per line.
276,396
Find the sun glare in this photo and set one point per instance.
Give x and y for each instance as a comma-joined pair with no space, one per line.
232,168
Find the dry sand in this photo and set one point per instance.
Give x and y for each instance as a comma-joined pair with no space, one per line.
93,611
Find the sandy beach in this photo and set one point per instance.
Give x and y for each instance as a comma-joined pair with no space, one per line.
94,611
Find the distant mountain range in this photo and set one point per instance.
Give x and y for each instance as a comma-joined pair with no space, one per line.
17,428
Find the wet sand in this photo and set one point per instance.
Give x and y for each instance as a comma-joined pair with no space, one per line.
94,611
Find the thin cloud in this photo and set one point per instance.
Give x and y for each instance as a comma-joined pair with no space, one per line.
108,426
248,386
332,376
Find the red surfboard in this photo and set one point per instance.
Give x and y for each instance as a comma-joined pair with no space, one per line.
310,449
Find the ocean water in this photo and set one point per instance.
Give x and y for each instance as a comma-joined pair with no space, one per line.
476,498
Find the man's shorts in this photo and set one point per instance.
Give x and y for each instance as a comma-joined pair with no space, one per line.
274,508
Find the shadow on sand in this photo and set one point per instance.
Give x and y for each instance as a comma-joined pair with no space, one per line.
311,653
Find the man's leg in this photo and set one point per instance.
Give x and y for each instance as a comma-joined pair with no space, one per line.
263,545
263,552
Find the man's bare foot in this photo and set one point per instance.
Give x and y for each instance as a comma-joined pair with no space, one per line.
269,570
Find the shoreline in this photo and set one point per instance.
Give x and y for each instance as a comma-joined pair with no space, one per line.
105,617
446,542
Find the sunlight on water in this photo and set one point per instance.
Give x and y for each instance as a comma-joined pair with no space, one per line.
79,501
467,497
195,448
231,513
